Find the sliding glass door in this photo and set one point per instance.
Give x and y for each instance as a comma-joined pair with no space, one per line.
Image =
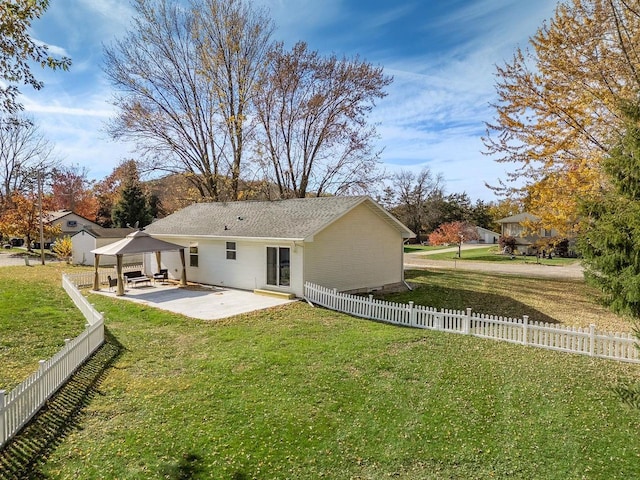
279,266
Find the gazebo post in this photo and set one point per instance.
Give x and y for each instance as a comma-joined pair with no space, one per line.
96,276
183,277
120,289
158,260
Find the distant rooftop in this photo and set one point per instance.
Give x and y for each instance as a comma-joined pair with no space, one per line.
519,218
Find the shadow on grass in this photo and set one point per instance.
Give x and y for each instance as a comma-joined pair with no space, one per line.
25,454
456,297
187,467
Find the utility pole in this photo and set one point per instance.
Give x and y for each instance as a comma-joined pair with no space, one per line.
40,214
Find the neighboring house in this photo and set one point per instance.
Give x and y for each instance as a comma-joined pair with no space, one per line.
347,243
92,237
70,223
514,226
486,236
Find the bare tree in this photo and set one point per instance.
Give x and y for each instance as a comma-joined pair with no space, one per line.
185,78
23,152
313,111
166,105
413,194
233,41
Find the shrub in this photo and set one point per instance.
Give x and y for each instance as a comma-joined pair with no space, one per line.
63,248
507,244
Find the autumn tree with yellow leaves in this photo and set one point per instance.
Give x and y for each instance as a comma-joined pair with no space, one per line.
557,112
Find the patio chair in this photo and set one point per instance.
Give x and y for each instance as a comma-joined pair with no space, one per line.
113,282
162,275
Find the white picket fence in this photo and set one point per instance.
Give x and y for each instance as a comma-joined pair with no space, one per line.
85,279
23,402
586,341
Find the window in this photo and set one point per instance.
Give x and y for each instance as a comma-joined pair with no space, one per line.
278,266
231,250
72,223
193,255
547,232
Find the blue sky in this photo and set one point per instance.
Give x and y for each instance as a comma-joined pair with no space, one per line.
441,53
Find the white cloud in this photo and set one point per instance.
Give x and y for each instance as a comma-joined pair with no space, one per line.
112,15
296,18
387,17
54,50
60,110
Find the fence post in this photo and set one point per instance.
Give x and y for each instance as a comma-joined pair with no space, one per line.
66,356
592,340
525,329
370,306
412,314
467,322
3,433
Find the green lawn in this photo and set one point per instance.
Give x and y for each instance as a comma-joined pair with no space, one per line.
492,254
304,393
36,315
568,302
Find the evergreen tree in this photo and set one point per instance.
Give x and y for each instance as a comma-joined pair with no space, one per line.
156,209
481,216
610,238
133,206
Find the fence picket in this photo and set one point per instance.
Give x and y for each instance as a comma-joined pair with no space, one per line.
583,341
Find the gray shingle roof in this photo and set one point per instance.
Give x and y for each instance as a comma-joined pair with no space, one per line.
54,215
521,217
101,232
291,219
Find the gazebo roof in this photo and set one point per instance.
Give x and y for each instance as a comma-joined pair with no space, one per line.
136,242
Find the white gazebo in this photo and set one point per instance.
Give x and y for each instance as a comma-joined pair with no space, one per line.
136,243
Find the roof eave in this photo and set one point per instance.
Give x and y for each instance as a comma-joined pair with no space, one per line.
235,237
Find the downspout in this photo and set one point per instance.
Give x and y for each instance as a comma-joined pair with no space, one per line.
402,269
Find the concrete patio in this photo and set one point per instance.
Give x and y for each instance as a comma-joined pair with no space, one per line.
198,301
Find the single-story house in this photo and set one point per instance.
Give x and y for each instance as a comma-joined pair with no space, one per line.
92,237
70,222
518,226
347,243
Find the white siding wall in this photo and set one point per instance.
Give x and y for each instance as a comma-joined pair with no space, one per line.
359,251
82,244
248,271
486,236
168,260
68,229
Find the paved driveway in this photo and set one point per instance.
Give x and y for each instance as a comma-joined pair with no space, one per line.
203,302
7,260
